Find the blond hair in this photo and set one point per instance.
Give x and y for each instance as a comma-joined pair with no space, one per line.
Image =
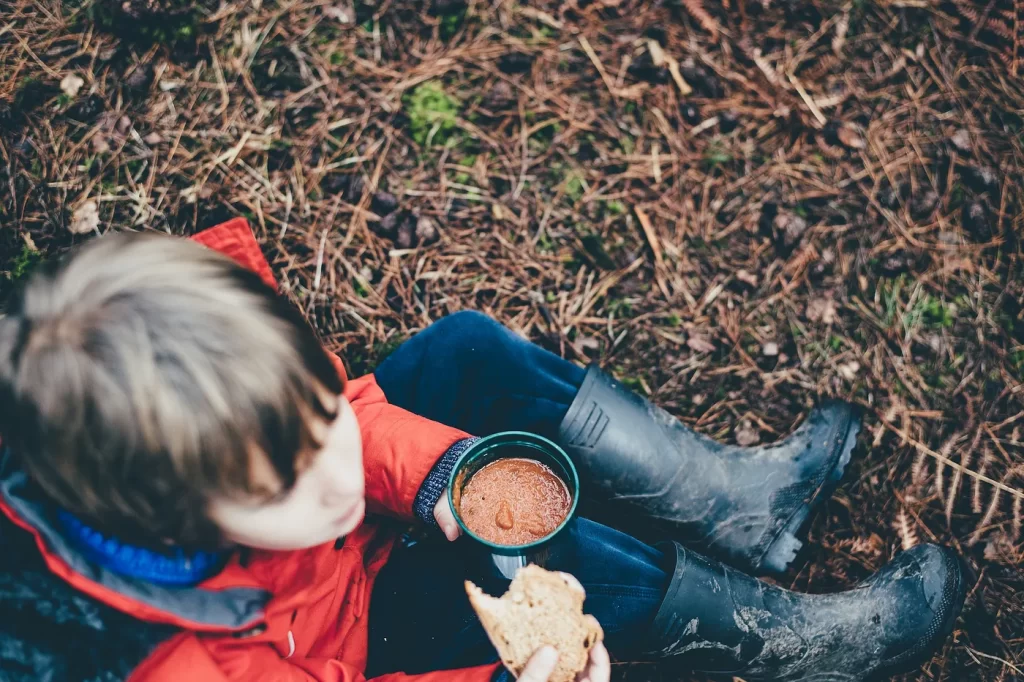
146,375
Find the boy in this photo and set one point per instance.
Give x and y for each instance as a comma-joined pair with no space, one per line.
209,499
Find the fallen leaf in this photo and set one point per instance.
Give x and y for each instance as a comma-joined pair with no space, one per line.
961,139
842,26
789,228
426,231
821,310
100,144
849,136
848,370
85,219
343,13
746,277
746,434
700,344
587,345
71,84
153,139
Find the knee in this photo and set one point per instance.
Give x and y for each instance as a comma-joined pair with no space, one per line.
468,330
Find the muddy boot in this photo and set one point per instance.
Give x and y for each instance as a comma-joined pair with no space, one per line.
744,505
715,619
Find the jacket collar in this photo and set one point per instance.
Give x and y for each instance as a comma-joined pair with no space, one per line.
232,600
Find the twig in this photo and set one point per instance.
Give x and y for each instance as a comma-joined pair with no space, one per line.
585,44
922,448
820,117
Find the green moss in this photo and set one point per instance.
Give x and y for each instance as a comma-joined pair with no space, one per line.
615,207
936,313
544,243
715,155
1017,359
574,187
361,290
450,24
25,263
633,383
338,59
432,113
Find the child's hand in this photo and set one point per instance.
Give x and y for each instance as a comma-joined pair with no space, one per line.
445,518
542,664
599,667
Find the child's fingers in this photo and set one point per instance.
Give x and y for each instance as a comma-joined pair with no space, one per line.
446,519
599,668
540,666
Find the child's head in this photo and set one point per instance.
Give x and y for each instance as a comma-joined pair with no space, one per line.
163,393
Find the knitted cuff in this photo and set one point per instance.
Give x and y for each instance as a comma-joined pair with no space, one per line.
437,482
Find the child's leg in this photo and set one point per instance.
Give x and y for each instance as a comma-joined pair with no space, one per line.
748,505
470,372
695,612
421,620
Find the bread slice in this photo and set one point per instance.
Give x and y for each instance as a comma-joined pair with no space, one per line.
540,609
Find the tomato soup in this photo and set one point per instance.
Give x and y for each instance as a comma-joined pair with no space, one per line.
514,501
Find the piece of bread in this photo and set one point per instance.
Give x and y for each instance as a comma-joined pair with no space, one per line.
540,609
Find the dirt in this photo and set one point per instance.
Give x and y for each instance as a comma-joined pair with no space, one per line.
839,183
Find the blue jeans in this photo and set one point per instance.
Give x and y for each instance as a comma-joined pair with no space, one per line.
471,373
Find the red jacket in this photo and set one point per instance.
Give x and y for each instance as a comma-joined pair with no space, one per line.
283,616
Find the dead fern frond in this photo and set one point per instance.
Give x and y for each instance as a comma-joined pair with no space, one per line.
1016,475
908,536
986,520
1000,28
1018,509
919,470
820,68
869,547
953,494
976,501
967,10
1018,34
701,16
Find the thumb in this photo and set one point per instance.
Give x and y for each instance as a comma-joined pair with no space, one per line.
446,519
541,665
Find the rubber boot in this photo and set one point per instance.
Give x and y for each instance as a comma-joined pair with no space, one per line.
746,506
715,619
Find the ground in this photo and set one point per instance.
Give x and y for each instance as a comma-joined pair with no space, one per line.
833,211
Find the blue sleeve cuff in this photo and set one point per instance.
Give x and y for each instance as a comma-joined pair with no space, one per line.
436,483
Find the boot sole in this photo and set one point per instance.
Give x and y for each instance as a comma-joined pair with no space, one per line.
783,550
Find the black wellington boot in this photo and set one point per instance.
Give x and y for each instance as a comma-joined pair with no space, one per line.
744,505
717,620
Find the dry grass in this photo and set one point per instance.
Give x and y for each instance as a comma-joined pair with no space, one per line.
833,211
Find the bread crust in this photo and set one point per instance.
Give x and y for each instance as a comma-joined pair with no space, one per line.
541,608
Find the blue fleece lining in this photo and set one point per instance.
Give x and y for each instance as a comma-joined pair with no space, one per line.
175,569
